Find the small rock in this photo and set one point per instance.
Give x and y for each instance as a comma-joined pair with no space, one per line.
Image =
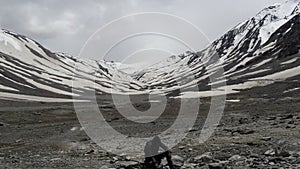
14,161
283,154
37,113
19,140
181,147
254,156
177,160
281,142
243,120
290,126
286,117
296,154
128,158
90,152
237,158
189,165
74,128
215,166
84,139
271,118
266,138
127,164
252,143
55,159
245,131
291,158
271,163
11,156
113,119
193,129
113,160
270,152
276,159
104,167
3,124
123,155
205,158
228,130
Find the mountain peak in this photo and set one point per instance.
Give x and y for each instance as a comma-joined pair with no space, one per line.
279,11
257,30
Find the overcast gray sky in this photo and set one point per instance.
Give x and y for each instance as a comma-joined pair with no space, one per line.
64,25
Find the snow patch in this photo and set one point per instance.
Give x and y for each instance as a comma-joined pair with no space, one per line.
7,39
7,88
289,61
19,97
291,90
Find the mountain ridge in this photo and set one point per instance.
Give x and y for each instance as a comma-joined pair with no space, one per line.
262,47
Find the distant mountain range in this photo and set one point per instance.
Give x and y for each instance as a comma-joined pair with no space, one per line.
259,52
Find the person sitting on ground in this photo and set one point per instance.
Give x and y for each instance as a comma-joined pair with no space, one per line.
153,157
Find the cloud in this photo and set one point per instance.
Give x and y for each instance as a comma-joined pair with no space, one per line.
40,20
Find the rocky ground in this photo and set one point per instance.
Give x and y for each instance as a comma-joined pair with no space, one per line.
257,132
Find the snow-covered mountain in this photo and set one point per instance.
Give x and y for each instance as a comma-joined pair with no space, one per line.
30,71
258,52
